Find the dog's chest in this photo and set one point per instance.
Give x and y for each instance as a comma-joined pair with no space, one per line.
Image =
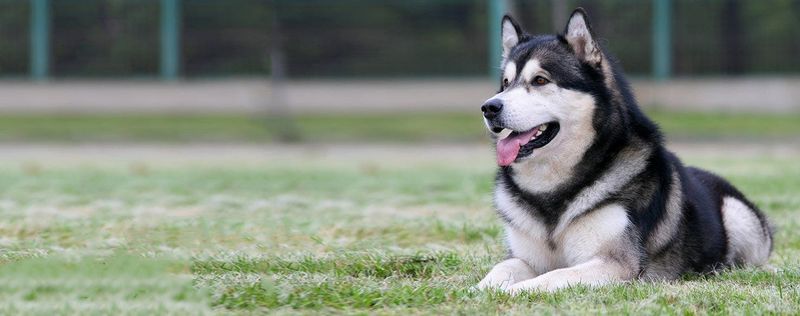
527,236
569,242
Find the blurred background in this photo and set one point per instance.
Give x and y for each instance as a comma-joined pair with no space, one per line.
324,156
357,70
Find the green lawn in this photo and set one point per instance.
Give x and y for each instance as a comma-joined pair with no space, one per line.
433,127
322,237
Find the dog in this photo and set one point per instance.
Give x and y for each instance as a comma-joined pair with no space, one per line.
586,190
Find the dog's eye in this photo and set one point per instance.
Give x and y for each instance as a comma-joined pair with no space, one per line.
505,82
539,81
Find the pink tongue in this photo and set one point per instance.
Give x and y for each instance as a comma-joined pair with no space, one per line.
508,148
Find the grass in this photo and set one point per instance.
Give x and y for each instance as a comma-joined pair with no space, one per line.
320,239
461,127
120,283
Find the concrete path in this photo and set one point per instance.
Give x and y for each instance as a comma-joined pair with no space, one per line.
251,96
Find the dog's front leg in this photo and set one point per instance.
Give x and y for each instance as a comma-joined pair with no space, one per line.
597,271
507,273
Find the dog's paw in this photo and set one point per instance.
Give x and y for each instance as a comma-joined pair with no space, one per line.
528,286
491,287
485,285
489,283
514,291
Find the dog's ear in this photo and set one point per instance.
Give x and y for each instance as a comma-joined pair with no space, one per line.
579,35
511,34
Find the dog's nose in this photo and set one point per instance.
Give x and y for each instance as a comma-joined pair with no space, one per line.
491,108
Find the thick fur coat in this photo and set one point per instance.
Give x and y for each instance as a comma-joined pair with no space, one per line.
586,189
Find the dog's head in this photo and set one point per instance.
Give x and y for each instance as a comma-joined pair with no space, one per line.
548,94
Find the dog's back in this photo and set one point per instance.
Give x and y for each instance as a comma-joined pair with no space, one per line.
749,234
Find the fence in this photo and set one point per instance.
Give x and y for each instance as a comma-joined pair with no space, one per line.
388,38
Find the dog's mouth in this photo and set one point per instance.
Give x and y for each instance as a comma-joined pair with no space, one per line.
518,145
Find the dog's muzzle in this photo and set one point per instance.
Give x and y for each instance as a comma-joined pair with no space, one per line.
491,110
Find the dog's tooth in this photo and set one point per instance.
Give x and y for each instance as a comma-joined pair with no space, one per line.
538,133
543,127
504,133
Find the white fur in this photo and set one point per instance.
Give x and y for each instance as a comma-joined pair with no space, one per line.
531,69
525,107
747,240
580,38
510,72
598,271
510,37
628,165
586,238
665,230
506,273
519,217
580,255
594,234
533,250
515,112
554,163
526,236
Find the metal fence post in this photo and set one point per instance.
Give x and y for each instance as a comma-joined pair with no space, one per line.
662,40
496,10
279,116
40,39
170,38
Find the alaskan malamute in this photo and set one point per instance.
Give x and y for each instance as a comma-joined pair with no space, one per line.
586,190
